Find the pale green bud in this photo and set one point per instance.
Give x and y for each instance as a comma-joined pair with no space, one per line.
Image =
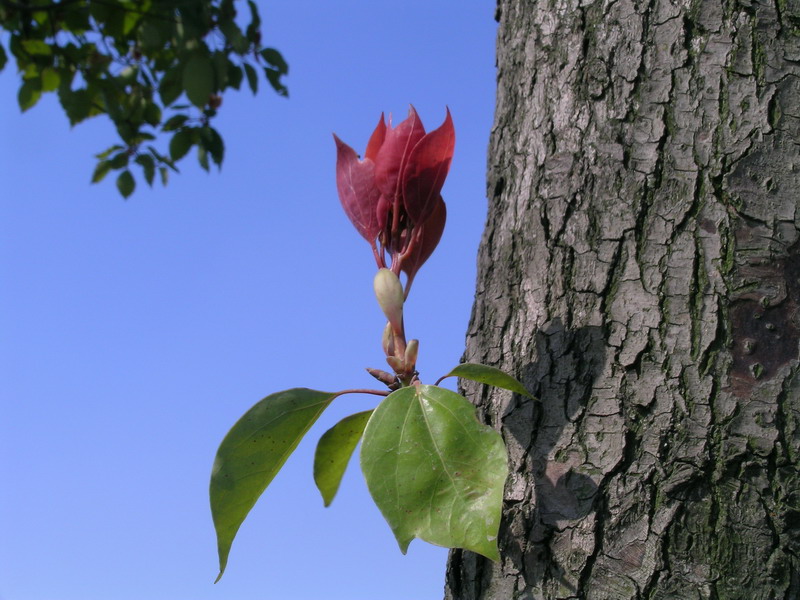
411,354
388,340
389,292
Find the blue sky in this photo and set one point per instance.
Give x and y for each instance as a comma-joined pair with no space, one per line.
134,333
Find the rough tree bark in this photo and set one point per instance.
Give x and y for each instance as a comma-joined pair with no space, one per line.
639,272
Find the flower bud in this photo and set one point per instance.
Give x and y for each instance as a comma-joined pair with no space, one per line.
383,376
389,292
411,354
398,364
388,340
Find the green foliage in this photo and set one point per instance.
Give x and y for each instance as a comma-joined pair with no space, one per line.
134,61
489,376
434,471
252,454
334,450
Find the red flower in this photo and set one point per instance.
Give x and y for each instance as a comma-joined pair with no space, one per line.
393,196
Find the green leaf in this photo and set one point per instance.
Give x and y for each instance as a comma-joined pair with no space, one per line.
434,471
234,75
77,104
220,61
130,21
234,36
119,160
198,79
274,78
148,166
255,18
174,122
155,33
37,47
164,173
489,376
202,158
106,153
50,79
253,452
180,143
170,87
334,450
126,183
3,57
29,94
252,77
152,113
100,171
275,58
212,142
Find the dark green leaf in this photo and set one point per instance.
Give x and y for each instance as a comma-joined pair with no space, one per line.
162,171
252,77
252,454
100,171
3,57
234,36
152,113
274,58
255,18
220,60
119,160
174,122
29,94
434,471
234,75
213,143
489,376
198,79
170,87
334,450
180,143
274,78
76,19
77,104
202,157
162,159
148,166
155,33
125,183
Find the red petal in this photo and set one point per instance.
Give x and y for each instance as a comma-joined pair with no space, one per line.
393,154
376,140
426,170
355,181
428,239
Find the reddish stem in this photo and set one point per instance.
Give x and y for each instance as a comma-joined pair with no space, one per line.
363,391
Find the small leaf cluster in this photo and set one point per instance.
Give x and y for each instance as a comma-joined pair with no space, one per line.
156,68
435,472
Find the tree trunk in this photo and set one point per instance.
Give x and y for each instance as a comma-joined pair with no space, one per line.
640,272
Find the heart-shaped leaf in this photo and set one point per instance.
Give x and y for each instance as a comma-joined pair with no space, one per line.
434,471
489,376
334,450
252,454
